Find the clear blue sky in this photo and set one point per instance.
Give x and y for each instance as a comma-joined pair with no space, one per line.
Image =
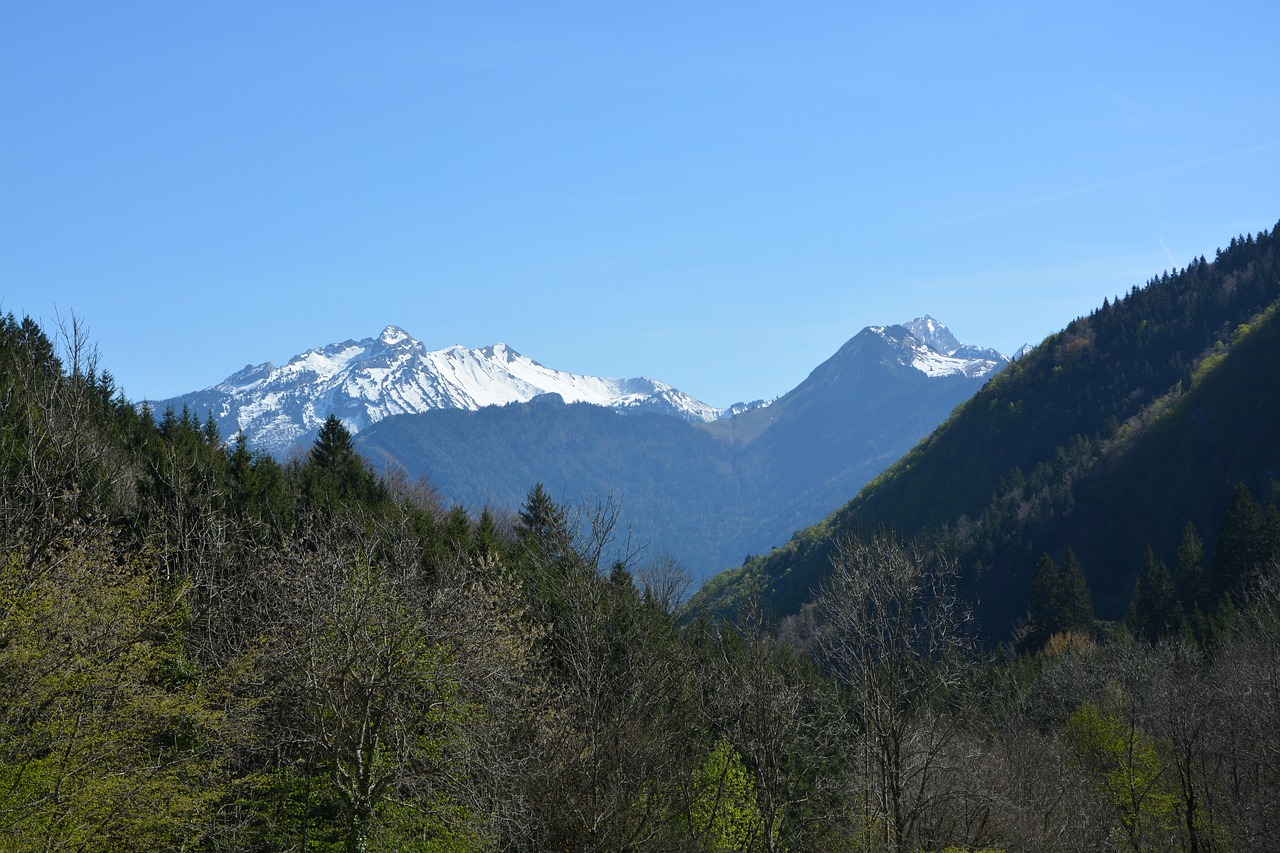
716,194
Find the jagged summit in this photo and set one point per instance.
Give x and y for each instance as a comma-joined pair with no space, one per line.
365,381
929,347
933,334
362,382
393,335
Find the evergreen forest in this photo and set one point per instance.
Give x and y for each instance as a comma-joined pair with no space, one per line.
203,648
1107,439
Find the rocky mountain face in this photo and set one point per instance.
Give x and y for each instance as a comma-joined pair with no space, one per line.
279,408
362,382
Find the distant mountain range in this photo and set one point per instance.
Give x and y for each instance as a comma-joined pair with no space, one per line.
281,408
1109,436
362,382
703,483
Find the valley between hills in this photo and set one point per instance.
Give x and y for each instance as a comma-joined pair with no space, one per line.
1036,605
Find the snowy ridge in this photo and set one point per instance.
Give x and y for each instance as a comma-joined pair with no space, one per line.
362,382
368,380
929,347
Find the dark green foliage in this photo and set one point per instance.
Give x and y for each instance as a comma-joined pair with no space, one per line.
203,649
1114,432
1154,611
544,527
1077,601
1191,581
1042,610
333,448
487,539
1248,543
335,472
1060,599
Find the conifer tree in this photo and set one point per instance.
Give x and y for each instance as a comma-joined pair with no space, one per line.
487,538
1191,583
333,446
1060,598
336,468
543,528
1042,611
1076,599
1245,544
1153,611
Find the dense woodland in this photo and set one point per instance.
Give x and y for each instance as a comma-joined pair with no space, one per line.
202,648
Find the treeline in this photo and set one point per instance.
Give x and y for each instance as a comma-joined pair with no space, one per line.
203,648
1199,599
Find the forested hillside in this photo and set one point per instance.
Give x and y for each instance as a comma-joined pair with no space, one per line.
1109,437
204,649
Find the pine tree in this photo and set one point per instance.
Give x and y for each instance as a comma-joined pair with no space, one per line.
337,471
1191,583
487,538
1060,599
1244,545
545,554
333,446
1153,611
543,526
1042,612
1076,599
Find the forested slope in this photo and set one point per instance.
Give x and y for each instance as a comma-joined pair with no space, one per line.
204,649
1061,450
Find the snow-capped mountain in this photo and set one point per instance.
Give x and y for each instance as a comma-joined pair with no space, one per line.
930,348
362,382
708,490
365,381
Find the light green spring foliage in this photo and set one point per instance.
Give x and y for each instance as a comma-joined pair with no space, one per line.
440,827
1131,772
108,739
725,812
387,716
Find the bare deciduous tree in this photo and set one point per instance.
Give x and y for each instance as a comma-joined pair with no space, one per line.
897,638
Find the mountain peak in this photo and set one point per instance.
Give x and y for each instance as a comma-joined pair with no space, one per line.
365,381
500,352
393,335
929,347
932,333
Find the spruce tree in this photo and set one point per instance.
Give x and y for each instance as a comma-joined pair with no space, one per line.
487,538
333,446
1042,612
1191,583
337,471
1076,600
1060,599
543,527
1153,611
1243,545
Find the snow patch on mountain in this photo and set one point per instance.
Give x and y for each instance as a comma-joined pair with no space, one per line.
280,407
931,348
933,334
365,381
